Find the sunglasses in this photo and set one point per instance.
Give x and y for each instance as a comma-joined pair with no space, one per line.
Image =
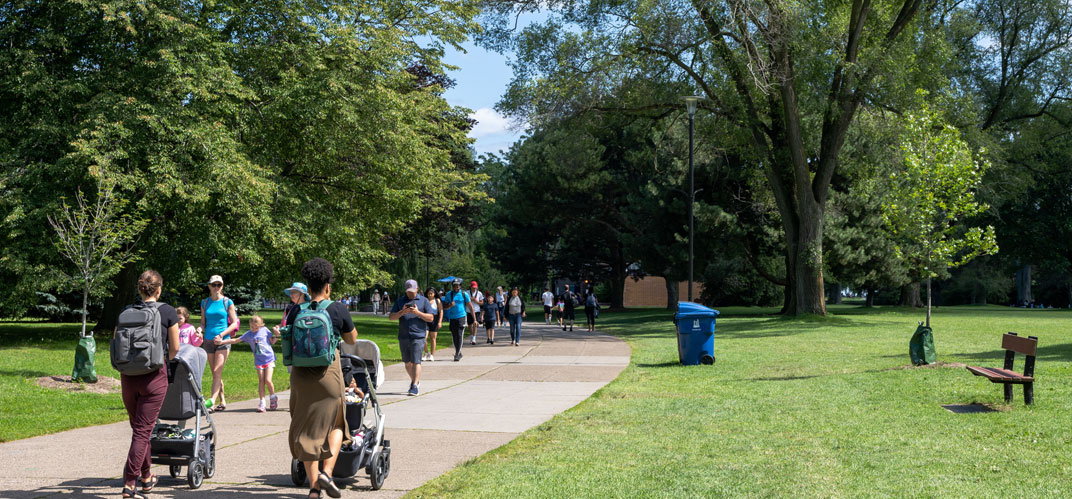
216,285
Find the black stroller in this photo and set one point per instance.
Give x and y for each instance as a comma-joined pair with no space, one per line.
364,418
174,444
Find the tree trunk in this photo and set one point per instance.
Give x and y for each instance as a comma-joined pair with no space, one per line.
928,302
910,296
808,294
1023,285
835,293
126,290
671,294
870,302
617,286
85,308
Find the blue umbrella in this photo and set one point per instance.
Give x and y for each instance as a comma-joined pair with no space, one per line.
448,279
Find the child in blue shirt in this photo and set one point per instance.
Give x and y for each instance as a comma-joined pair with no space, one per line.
260,339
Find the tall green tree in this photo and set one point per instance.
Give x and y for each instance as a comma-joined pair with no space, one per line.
788,79
252,135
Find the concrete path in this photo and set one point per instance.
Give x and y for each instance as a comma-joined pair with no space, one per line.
465,409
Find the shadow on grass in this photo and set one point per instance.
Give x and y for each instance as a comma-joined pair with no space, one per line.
22,373
662,364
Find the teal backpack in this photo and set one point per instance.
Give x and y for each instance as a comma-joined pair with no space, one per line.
310,341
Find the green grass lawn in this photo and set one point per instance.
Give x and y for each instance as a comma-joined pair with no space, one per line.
31,350
818,408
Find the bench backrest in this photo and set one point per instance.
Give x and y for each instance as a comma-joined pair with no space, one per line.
1026,346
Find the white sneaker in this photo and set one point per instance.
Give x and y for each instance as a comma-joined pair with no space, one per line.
424,356
431,358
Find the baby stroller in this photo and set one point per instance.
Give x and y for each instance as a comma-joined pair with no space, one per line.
174,444
368,449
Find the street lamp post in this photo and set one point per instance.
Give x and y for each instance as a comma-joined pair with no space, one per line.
690,105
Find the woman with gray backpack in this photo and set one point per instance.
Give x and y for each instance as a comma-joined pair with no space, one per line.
147,336
317,412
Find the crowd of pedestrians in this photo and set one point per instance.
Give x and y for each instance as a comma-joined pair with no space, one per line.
318,426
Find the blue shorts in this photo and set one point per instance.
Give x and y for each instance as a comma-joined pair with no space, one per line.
412,349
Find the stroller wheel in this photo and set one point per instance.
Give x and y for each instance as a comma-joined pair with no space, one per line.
174,470
297,472
381,467
195,475
210,466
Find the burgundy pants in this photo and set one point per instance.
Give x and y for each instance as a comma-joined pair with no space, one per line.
142,396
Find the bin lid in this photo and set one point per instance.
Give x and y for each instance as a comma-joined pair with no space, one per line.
689,310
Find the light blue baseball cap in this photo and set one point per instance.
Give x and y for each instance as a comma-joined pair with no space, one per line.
298,286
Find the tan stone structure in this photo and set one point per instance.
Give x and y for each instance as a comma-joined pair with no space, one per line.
650,291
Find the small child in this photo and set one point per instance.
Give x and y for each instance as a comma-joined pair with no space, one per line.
491,312
561,308
260,339
187,332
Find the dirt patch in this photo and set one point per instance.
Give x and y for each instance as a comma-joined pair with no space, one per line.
104,384
936,365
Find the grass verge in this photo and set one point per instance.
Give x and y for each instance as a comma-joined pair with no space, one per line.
819,408
29,350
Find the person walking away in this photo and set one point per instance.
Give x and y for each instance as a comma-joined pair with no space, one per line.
433,326
491,312
458,306
568,305
514,309
318,427
591,309
260,339
548,303
218,318
143,392
376,302
477,300
413,312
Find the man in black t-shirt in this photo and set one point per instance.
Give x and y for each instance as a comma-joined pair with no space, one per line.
567,308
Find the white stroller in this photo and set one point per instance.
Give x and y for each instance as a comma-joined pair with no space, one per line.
173,444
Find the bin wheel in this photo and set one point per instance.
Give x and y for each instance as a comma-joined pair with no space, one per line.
297,472
210,467
381,467
707,359
195,475
174,470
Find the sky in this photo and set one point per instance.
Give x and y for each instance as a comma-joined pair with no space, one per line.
482,79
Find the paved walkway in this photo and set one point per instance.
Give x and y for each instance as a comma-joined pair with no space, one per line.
465,409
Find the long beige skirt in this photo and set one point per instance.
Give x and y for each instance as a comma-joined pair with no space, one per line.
316,403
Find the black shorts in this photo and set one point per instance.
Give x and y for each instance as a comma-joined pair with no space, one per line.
489,324
567,314
547,309
433,326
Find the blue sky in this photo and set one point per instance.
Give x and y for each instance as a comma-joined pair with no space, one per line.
482,79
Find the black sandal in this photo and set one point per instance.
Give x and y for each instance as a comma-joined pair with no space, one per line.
147,485
131,493
314,491
328,485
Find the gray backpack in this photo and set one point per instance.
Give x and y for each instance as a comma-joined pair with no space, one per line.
138,345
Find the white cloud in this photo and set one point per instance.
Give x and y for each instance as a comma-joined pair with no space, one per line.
488,123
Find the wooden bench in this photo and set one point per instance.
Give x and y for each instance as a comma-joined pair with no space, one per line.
1013,344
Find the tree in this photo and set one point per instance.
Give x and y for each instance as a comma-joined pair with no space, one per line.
787,79
96,238
252,135
931,197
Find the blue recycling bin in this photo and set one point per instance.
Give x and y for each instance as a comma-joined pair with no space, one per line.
695,333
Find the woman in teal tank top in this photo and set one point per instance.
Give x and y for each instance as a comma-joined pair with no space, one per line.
218,319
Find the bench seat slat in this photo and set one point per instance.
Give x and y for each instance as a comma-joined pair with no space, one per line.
997,375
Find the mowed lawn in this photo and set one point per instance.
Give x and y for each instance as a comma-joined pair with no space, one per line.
32,350
814,408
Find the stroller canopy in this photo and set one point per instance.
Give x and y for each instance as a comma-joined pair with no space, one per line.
184,390
370,352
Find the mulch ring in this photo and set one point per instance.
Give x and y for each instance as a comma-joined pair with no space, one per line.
104,384
936,365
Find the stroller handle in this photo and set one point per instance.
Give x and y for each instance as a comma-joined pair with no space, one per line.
354,358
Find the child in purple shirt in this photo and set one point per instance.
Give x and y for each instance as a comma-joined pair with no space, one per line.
260,339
